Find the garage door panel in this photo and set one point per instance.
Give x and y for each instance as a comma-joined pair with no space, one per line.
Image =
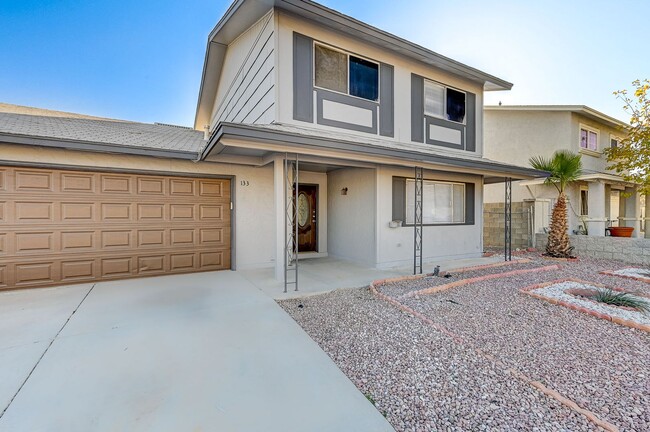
151,264
116,184
116,267
32,181
149,212
182,237
182,187
76,241
116,212
151,238
35,273
183,261
73,271
77,211
30,211
31,242
117,239
65,226
78,183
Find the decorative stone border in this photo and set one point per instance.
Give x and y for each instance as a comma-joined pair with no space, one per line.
637,278
589,415
439,288
627,323
493,265
574,259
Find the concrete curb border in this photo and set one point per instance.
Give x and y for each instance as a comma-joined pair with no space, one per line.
636,278
631,324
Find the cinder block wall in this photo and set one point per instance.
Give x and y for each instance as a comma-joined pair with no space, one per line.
630,250
494,223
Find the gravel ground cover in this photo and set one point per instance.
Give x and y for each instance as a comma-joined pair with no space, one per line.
559,291
418,377
634,273
600,365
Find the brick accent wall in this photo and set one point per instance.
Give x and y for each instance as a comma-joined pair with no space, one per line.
630,250
493,224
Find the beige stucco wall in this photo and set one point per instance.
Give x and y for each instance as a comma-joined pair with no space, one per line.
254,241
395,245
351,217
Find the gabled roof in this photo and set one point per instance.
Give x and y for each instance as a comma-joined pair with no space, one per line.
577,109
104,135
244,13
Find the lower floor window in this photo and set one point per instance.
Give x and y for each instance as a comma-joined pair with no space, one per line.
442,202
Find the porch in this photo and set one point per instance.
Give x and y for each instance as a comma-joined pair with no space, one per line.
321,275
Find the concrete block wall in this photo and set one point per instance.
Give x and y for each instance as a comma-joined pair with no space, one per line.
493,224
630,250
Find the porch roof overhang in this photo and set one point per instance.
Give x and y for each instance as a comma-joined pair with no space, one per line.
259,141
588,177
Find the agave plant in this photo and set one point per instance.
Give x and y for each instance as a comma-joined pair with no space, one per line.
564,167
618,298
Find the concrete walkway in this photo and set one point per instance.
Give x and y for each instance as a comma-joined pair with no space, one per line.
321,275
202,352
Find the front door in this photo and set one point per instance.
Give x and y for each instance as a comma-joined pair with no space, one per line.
307,218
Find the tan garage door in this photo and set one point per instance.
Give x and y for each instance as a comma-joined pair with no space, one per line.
59,226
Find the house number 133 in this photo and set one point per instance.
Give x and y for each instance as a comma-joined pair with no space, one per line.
244,183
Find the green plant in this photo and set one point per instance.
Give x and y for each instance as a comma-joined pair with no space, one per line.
618,298
370,398
564,167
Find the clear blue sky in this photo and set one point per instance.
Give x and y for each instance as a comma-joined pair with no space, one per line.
141,60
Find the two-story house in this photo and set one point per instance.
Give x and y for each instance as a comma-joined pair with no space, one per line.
315,135
599,199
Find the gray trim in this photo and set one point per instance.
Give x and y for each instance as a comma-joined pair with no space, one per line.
470,121
96,147
448,124
387,100
399,199
303,70
417,108
322,95
307,142
470,203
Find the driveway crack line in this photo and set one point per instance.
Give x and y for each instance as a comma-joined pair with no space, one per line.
46,350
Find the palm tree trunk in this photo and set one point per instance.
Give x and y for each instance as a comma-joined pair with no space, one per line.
558,238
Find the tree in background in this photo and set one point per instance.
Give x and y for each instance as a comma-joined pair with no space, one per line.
564,167
631,159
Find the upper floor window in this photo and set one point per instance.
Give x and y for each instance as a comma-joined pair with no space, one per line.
444,102
614,141
588,138
345,73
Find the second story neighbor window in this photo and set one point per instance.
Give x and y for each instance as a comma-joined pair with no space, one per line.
345,73
588,139
444,102
614,142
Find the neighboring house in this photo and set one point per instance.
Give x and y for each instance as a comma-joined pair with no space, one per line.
600,199
359,109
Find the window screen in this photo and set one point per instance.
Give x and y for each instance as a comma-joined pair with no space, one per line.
331,69
364,78
455,106
434,96
613,143
442,203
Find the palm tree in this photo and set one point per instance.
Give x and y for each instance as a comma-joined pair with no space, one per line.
564,167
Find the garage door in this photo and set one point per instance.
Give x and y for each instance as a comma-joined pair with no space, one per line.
59,226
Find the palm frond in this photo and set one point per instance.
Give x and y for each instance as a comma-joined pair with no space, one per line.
564,167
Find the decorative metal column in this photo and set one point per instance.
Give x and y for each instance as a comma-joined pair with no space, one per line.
507,244
417,222
291,174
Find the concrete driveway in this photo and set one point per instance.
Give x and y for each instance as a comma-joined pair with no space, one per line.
202,352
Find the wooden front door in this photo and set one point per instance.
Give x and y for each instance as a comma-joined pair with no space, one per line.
307,218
